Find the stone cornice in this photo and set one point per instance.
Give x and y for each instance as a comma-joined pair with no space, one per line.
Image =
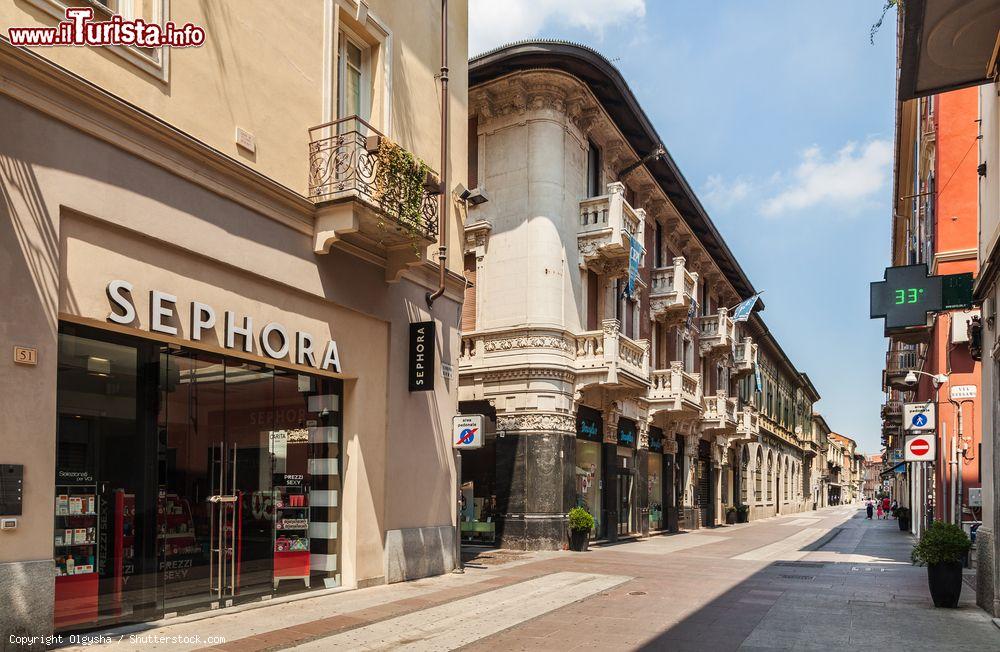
537,421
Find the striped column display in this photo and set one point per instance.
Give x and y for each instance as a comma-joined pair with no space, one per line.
324,493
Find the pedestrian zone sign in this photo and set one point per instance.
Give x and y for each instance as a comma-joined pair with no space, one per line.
467,431
918,417
920,448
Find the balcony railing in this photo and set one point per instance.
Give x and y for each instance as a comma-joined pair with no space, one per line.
745,357
717,331
349,160
747,421
675,390
624,361
720,413
898,363
606,226
671,291
892,411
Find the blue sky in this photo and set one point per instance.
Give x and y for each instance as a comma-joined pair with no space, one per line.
780,115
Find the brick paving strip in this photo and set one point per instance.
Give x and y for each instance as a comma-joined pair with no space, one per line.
302,633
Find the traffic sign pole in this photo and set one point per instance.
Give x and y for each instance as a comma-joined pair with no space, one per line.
459,567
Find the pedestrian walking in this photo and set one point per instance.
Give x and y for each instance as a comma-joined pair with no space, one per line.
869,509
894,508
880,513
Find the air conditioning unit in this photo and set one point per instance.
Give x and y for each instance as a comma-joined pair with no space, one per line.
960,325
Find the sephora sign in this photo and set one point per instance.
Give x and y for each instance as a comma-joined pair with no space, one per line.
273,339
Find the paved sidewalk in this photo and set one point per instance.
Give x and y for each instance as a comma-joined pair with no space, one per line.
828,580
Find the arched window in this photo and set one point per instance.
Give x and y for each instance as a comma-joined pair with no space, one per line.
758,477
770,477
744,464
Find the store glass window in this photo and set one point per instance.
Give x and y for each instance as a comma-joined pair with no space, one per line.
588,479
654,480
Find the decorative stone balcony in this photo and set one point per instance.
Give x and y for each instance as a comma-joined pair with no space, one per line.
717,332
747,422
671,292
898,363
369,190
606,226
675,390
719,416
744,358
607,357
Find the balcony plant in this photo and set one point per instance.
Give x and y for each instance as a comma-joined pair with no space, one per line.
580,524
400,181
941,548
742,513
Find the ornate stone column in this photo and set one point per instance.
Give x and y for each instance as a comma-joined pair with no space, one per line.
535,460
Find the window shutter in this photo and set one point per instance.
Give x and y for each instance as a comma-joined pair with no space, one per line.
469,303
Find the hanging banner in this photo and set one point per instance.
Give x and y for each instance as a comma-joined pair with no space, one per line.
742,311
634,255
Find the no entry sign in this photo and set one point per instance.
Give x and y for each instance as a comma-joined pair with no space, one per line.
920,448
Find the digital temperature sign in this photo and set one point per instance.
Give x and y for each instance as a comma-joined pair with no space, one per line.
908,294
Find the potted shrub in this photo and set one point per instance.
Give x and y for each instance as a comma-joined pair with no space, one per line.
941,548
742,513
580,525
730,515
903,518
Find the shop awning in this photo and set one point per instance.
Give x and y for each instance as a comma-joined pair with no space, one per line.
947,44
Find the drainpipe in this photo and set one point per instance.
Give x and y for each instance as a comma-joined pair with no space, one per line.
443,198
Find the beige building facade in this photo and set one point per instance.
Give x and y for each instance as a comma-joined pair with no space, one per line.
213,257
642,407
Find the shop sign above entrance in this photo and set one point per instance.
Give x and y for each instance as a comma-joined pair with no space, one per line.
918,416
467,431
920,448
273,339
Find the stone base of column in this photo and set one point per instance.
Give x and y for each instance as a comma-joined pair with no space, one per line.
534,532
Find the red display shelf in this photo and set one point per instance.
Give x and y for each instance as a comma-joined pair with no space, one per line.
76,600
291,564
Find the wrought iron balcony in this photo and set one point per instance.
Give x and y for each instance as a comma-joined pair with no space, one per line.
366,185
675,390
720,414
671,292
607,224
717,332
898,363
892,411
745,357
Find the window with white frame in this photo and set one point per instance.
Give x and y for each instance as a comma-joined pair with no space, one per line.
155,61
353,76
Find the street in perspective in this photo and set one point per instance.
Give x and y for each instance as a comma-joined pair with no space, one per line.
468,324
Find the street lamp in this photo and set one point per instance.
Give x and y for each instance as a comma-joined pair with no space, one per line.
937,379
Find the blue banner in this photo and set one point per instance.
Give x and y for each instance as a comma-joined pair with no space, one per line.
756,377
634,254
743,310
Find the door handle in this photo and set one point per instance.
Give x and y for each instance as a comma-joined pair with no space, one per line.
222,499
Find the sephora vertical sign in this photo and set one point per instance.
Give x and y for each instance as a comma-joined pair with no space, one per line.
422,356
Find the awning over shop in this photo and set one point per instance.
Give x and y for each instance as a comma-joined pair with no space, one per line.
947,44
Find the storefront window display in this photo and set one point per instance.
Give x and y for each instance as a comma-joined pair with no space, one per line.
481,515
654,478
589,463
198,474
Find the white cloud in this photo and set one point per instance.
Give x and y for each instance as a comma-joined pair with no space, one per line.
847,180
495,22
722,196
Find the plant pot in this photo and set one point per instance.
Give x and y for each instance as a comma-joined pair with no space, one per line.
945,582
741,517
904,523
730,518
579,540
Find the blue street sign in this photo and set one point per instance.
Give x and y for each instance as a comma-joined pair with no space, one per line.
919,420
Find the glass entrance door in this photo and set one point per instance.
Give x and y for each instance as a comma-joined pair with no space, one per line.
216,518
624,501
